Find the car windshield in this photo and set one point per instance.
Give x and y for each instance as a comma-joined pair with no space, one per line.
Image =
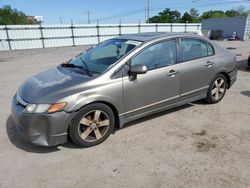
99,58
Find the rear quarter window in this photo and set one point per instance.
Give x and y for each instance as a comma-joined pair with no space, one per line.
210,49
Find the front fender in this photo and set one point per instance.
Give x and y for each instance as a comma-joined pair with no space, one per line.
108,91
97,98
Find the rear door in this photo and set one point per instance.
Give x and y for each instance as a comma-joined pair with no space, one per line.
198,63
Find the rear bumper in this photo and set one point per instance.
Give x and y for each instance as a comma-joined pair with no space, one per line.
233,77
41,129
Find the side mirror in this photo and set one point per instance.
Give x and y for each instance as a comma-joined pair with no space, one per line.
137,69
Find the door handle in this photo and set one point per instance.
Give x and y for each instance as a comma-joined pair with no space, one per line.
209,63
172,73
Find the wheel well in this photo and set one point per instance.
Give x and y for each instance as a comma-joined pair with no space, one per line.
117,122
227,78
113,108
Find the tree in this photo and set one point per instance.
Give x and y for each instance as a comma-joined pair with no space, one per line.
232,13
195,15
240,11
12,16
166,16
169,16
186,18
213,14
155,19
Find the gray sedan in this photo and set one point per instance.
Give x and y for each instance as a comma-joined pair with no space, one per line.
118,81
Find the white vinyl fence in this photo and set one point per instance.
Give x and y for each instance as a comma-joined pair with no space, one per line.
14,37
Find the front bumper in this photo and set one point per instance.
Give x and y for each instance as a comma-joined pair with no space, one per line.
41,129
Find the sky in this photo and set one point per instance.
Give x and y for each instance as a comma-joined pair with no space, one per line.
112,11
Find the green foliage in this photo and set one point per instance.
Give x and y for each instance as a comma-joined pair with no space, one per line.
232,13
169,16
213,14
9,16
186,18
195,15
166,16
240,11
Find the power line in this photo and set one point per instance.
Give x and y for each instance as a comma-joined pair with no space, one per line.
207,4
156,7
148,12
124,14
200,2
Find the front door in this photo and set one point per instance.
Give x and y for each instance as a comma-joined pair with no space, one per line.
159,87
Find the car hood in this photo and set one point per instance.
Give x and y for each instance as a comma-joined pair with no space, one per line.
50,84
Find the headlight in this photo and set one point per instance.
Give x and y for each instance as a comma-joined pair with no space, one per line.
42,108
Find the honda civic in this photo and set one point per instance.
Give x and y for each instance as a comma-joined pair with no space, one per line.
118,81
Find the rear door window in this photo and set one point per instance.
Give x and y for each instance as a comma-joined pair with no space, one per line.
195,49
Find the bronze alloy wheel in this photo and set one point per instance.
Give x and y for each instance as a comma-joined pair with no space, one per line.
218,88
93,125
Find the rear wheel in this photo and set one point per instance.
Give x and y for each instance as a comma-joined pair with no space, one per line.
217,89
92,125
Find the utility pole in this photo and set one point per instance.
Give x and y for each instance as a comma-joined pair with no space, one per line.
61,20
145,14
88,17
148,12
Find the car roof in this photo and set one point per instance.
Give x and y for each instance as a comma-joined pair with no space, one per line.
153,35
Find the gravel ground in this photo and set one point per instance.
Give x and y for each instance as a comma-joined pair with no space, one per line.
196,145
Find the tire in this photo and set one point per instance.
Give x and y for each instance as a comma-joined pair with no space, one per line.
92,125
216,92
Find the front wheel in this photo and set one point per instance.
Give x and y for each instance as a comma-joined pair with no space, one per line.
92,125
217,89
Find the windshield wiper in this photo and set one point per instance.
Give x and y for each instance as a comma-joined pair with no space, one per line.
70,65
87,68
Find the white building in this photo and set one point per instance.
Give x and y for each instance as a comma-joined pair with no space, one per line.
38,19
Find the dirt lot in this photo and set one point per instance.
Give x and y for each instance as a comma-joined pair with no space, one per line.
196,145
